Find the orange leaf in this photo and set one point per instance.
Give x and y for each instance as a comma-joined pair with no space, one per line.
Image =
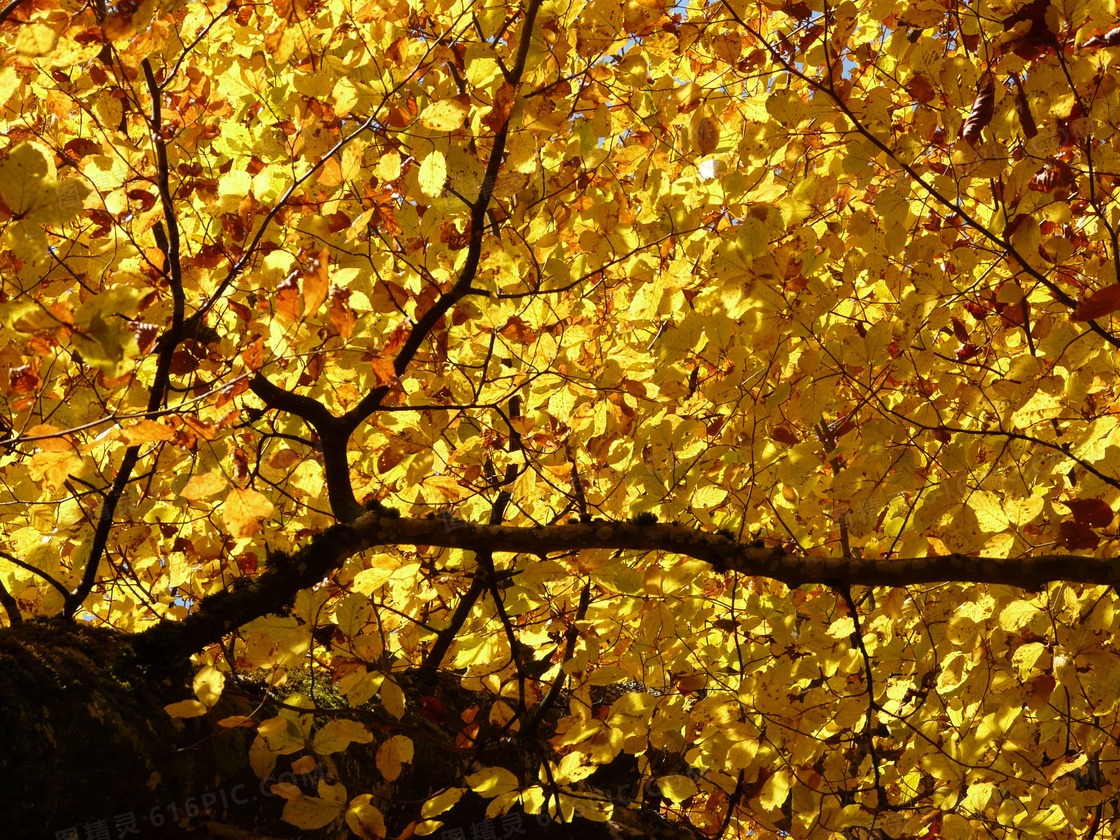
383,370
1097,305
316,283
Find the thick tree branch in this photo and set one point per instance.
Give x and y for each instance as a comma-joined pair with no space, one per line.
226,611
332,437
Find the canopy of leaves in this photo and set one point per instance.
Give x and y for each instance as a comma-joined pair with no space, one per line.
842,277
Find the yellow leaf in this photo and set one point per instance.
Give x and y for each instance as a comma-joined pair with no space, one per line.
233,721
53,468
1065,765
335,793
433,174
106,344
492,781
148,431
842,628
282,735
29,186
364,819
1016,615
337,735
310,812
390,755
389,166
261,758
345,97
304,765
392,698
242,511
442,801
202,486
775,790
35,39
677,788
9,84
687,97
989,510
317,283
208,684
285,790
445,115
185,709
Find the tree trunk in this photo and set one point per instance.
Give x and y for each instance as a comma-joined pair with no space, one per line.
89,748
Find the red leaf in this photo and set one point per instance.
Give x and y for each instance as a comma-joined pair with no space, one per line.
247,563
966,352
1093,513
982,110
1074,536
1056,177
1035,39
784,434
433,709
1099,304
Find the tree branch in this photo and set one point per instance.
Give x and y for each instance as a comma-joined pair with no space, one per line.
169,244
463,285
222,613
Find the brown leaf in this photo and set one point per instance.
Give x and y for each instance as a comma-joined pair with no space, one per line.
1032,37
784,434
707,136
920,88
1092,513
500,108
981,113
517,330
1099,304
253,355
1108,39
1023,109
1076,537
1055,177
966,352
342,316
286,302
390,456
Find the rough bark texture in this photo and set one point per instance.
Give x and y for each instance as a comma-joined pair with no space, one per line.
87,738
88,744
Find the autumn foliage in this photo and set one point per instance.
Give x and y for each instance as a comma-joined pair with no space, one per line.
735,313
